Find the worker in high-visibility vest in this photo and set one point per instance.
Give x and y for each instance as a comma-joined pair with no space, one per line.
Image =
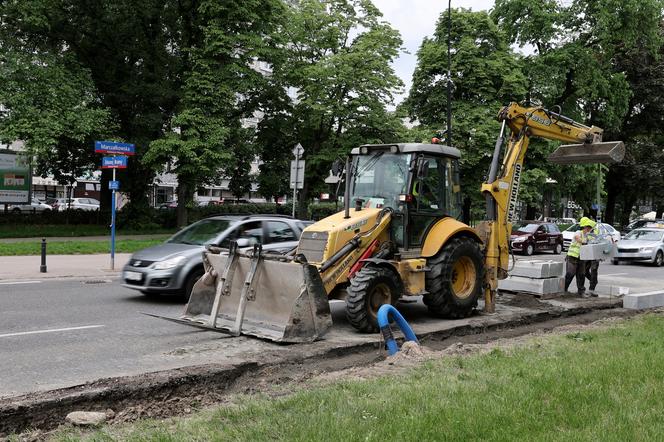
592,267
575,267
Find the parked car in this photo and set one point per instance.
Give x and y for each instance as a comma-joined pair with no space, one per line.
638,223
176,265
529,237
604,229
35,206
168,205
87,204
642,245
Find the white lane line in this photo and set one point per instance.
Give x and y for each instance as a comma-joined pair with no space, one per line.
20,282
615,274
53,330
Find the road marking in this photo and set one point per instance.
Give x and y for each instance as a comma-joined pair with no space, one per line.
20,282
615,274
53,330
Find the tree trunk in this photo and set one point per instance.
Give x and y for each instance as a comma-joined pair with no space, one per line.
531,212
609,212
185,195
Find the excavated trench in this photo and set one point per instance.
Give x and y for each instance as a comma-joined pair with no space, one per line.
178,392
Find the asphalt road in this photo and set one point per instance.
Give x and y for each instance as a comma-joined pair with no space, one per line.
61,333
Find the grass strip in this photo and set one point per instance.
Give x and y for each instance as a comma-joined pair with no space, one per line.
600,384
49,230
76,247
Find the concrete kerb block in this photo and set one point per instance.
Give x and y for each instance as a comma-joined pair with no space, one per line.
537,269
541,286
638,301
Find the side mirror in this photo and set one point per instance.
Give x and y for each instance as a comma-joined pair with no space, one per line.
337,167
243,242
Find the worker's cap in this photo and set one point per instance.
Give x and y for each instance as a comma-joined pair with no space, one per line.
587,222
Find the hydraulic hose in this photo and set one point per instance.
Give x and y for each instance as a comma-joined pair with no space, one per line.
384,313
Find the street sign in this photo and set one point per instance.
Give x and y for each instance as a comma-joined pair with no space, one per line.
15,178
114,162
300,174
114,147
298,150
114,185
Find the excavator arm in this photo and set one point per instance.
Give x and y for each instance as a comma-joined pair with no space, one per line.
501,190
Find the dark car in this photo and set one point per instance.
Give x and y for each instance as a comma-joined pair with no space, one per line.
168,205
176,265
529,237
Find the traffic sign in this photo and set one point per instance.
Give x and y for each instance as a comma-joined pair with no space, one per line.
300,174
114,162
298,150
114,147
114,185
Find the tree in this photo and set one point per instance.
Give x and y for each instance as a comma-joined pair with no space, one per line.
598,61
335,57
52,105
221,88
131,53
486,74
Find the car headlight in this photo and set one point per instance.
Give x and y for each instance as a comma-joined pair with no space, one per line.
646,249
519,239
169,263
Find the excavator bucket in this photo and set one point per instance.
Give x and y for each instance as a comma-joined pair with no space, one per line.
269,296
607,152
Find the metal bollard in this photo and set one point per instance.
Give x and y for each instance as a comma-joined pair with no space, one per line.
42,267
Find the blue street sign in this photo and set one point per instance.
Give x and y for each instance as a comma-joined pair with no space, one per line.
114,147
114,162
114,185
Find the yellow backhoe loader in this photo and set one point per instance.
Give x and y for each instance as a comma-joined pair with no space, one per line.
400,238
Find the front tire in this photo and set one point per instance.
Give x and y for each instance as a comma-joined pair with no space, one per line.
529,250
192,279
558,249
368,291
454,282
659,259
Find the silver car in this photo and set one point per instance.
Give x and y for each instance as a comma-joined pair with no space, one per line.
642,245
176,265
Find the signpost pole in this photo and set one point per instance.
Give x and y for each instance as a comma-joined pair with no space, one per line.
113,226
297,161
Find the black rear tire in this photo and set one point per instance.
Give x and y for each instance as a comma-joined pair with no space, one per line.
192,279
368,291
454,282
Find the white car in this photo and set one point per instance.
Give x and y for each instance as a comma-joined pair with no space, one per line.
604,229
35,206
79,204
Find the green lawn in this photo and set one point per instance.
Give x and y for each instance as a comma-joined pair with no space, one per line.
76,247
48,230
600,384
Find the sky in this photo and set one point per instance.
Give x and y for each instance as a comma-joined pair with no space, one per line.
416,19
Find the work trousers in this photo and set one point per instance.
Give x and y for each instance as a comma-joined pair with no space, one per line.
575,268
591,272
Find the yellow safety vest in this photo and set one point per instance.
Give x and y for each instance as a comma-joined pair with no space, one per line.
575,247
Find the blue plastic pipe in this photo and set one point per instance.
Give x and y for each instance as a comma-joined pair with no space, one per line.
384,313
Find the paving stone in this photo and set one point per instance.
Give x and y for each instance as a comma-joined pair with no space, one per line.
639,301
542,286
85,418
537,269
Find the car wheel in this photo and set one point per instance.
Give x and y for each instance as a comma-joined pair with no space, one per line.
558,249
529,250
192,279
615,262
659,259
16,210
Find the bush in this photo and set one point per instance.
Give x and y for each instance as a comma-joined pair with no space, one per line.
319,211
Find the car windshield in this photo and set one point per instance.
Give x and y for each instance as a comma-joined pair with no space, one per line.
527,228
201,232
645,235
573,228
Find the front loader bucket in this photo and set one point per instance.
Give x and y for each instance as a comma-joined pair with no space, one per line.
260,295
607,152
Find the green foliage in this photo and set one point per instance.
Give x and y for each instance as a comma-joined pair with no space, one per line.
335,56
76,247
